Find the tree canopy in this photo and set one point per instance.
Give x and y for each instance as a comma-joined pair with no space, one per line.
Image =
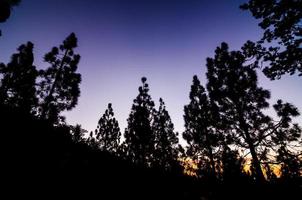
18,83
279,50
108,132
59,84
166,140
139,136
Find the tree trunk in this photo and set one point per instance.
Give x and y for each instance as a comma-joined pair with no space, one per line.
256,163
212,162
49,96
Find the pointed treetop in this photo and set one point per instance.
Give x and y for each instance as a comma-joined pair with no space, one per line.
70,42
144,79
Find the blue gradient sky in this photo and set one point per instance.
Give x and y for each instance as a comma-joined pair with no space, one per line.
122,40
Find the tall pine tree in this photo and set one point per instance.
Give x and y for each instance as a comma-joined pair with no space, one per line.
233,89
234,92
199,131
108,132
18,80
166,140
139,137
59,86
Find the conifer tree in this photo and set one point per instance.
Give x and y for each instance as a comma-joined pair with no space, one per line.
199,130
108,132
18,80
59,86
287,141
139,136
234,91
166,140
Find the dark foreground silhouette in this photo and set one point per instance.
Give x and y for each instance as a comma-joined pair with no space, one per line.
42,160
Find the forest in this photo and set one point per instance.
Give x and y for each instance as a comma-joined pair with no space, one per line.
234,150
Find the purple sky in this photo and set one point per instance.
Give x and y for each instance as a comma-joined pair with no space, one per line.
122,40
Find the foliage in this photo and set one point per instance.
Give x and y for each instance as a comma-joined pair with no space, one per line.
280,47
18,80
139,136
77,133
108,132
234,91
59,84
166,140
200,132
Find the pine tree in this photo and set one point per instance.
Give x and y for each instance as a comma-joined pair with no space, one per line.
108,132
199,130
139,137
59,86
18,80
234,91
287,140
166,140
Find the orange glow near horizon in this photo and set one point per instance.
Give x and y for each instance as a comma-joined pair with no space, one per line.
191,167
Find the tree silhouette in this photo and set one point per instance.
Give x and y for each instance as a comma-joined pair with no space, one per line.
59,86
166,141
199,131
291,164
108,132
281,22
233,90
18,80
139,136
287,140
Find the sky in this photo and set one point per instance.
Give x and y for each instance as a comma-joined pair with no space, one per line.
121,41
